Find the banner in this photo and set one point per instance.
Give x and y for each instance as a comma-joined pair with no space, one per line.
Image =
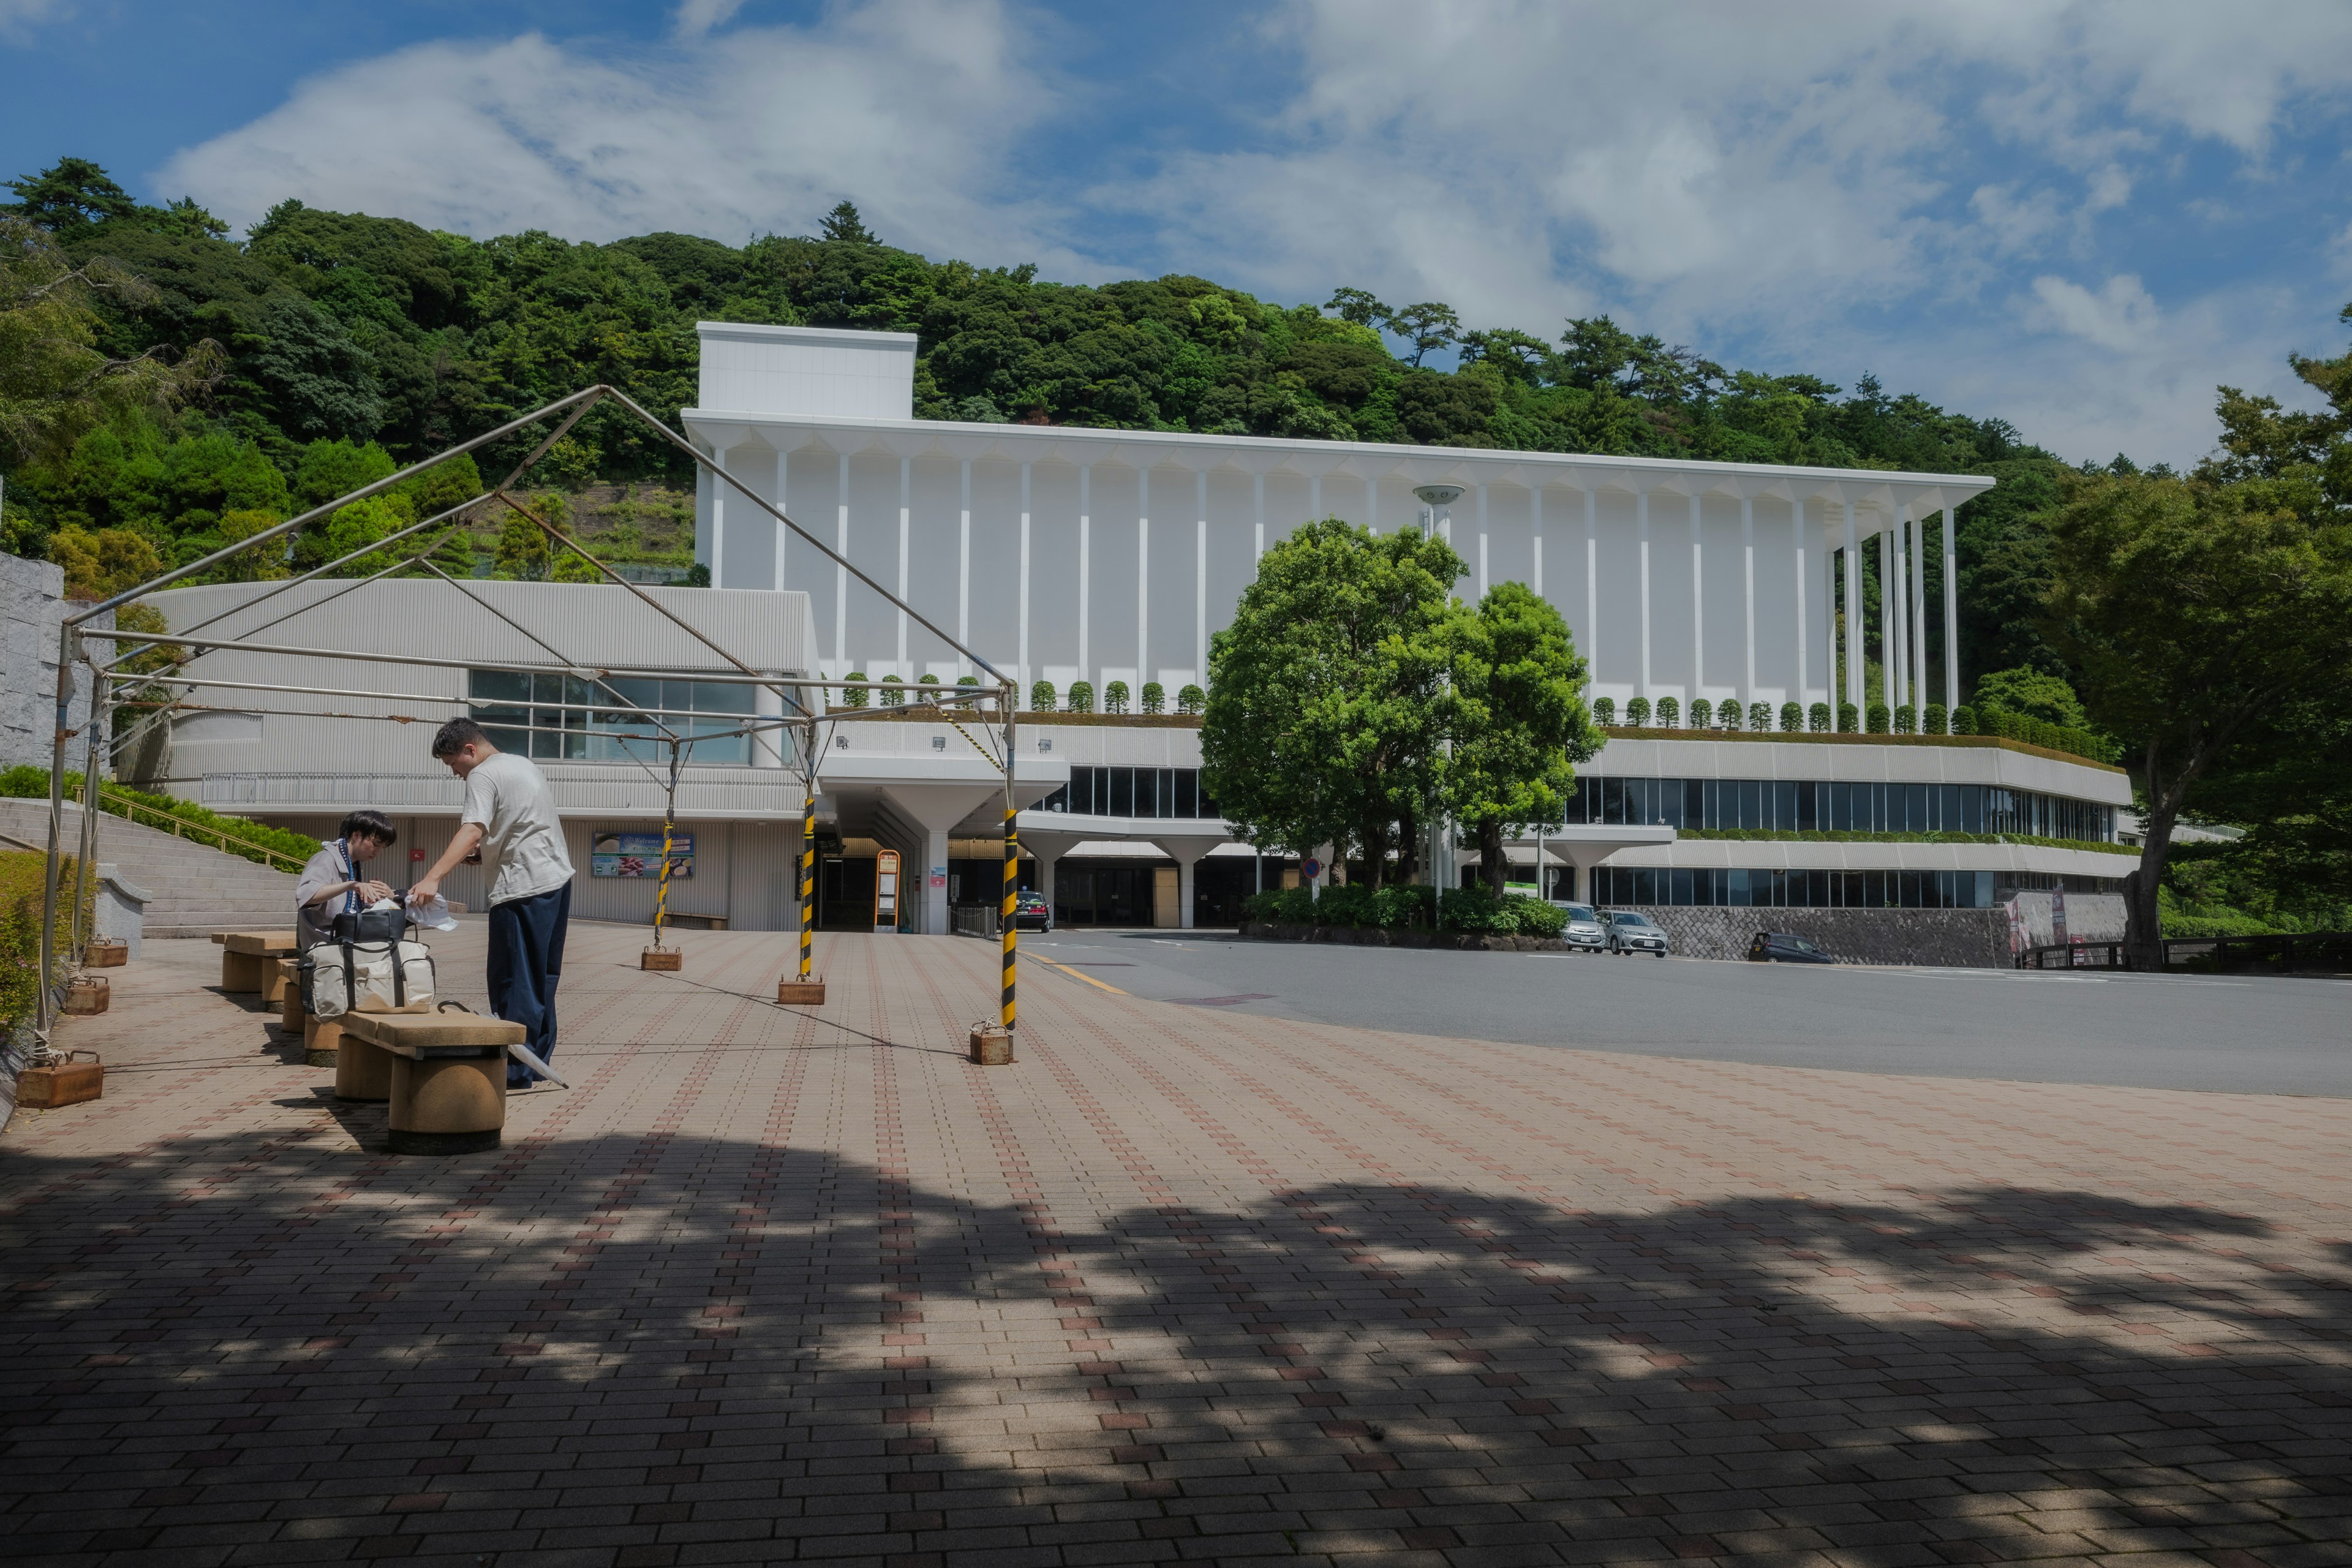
639,854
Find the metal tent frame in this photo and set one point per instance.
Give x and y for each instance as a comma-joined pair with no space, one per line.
75,630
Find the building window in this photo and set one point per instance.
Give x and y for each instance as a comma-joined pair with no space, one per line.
561,718
1619,885
1805,805
1141,793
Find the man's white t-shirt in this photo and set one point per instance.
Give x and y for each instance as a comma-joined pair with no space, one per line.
523,842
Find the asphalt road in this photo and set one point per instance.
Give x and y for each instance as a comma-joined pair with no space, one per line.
2255,1036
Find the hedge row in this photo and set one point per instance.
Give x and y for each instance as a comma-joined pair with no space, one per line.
30,783
1472,909
22,885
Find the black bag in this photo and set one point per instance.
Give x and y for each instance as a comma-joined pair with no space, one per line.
371,925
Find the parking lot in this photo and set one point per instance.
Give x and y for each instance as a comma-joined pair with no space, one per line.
2241,1033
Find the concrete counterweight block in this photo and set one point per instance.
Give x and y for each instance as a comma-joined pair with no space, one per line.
448,1078
249,962
992,1044
794,992
87,994
106,953
666,958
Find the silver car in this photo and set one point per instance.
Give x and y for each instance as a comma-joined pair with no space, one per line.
1584,931
1630,931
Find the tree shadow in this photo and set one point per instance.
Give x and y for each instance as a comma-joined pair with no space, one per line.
660,1347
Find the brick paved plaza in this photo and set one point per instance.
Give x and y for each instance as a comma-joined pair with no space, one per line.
1179,1285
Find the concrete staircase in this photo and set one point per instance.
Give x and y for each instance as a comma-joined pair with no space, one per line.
197,890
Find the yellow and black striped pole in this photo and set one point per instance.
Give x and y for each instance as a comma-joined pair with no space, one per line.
669,811
1011,902
808,883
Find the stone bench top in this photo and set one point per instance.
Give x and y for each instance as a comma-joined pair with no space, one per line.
258,942
419,1035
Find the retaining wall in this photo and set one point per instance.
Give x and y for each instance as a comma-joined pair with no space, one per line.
1964,939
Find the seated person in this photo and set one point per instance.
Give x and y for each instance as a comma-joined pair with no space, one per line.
332,884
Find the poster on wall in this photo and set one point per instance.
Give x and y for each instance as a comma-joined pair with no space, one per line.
639,854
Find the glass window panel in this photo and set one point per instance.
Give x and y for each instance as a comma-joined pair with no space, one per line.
498,686
719,697
1915,808
547,743
1188,792
1613,801
1784,806
1694,803
1947,808
1711,804
1123,792
507,739
547,688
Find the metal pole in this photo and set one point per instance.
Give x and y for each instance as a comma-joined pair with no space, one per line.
669,818
69,645
808,860
87,870
1011,855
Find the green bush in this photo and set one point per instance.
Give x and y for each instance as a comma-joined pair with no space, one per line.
1879,716
29,782
1817,720
1849,718
1408,909
1082,696
1637,713
1964,720
1759,717
891,695
2051,737
1670,713
1604,711
1907,719
1728,717
1191,700
1114,697
1041,697
1155,696
23,881
1939,720
855,696
1703,715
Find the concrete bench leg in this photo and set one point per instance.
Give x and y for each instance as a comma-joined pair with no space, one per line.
449,1104
362,1071
290,998
243,973
322,1041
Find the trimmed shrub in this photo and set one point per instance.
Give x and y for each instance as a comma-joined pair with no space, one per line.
891,694
1878,718
1637,713
1191,700
1041,697
1082,696
967,681
1939,720
1964,720
1849,718
1114,697
1670,713
1759,716
30,782
1907,719
1604,711
1728,717
1792,716
855,696
1703,715
1155,696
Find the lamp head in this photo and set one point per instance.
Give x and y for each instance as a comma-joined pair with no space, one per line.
1438,495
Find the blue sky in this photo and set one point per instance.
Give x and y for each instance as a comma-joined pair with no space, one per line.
2078,216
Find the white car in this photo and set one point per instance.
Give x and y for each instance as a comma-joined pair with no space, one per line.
1630,931
1584,931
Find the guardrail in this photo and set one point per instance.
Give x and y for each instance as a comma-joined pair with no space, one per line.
973,919
2304,953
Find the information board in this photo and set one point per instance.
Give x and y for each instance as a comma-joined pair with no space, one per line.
639,854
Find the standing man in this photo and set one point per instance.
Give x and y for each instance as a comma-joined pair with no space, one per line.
509,816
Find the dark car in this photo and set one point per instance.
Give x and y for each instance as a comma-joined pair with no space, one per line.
1031,913
1779,947
1630,931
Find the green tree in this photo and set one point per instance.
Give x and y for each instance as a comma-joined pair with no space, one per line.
1328,700
72,193
1520,719
843,226
1358,306
1428,327
2031,694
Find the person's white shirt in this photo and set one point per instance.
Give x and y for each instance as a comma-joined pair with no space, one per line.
522,840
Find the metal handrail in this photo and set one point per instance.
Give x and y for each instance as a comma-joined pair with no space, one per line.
2284,954
181,828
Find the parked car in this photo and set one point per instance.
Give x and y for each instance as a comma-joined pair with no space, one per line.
1584,933
1030,912
1630,931
1780,947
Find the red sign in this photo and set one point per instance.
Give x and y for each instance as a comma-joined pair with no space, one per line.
417,854
1310,869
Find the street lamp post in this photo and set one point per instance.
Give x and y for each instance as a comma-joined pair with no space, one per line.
1438,499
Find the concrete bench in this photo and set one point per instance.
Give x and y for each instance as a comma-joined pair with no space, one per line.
249,962
320,1038
448,1077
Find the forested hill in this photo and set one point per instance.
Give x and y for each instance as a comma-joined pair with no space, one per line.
354,331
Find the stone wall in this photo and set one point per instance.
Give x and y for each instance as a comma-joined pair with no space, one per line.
2090,917
32,604
1966,938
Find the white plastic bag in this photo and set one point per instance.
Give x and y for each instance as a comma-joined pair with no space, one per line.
432,914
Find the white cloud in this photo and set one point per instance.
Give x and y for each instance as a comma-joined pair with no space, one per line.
18,17
2121,315
695,18
907,107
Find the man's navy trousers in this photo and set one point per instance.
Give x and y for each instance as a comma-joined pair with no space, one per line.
526,960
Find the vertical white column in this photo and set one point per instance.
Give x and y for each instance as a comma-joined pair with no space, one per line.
1257,488
1143,580
1803,691
1747,592
718,515
1315,498
1086,576
1372,502
1023,666
1898,620
841,573
1200,583
1535,529
1641,530
1482,541
1591,587
905,488
784,473
1951,609
1888,598
1920,687
1854,639
1828,554
963,564
1698,607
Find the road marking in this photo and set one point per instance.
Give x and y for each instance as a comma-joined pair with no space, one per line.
1064,969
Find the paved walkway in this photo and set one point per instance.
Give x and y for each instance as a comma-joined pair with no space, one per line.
1182,1285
